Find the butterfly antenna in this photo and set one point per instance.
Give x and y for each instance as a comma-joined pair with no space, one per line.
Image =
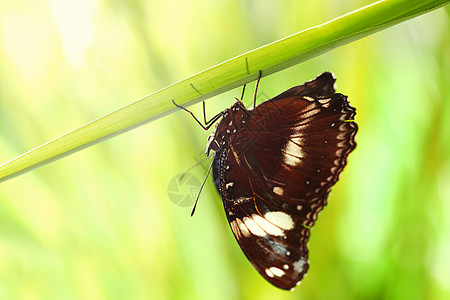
256,89
191,167
201,188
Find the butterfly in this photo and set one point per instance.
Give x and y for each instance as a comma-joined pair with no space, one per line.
274,166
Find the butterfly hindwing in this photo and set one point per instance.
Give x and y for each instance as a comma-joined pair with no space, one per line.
268,234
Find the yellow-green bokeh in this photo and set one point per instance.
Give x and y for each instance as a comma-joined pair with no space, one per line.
99,224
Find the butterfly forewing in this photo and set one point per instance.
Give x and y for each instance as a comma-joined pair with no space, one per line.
312,139
274,168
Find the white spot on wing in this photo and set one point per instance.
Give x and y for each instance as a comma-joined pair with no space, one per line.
235,229
229,184
276,271
292,151
278,190
309,112
267,226
324,101
343,126
243,228
253,227
280,219
269,273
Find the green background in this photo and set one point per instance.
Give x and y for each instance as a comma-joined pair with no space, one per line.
99,224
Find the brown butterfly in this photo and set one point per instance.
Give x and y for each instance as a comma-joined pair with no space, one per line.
274,166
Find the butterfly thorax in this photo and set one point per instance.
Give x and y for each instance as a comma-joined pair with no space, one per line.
233,120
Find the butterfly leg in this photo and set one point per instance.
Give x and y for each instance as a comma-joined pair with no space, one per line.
207,123
213,119
243,90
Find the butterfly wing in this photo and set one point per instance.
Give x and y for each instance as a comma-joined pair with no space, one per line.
300,146
262,229
276,174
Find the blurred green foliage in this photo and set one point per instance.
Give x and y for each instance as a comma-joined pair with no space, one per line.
99,224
